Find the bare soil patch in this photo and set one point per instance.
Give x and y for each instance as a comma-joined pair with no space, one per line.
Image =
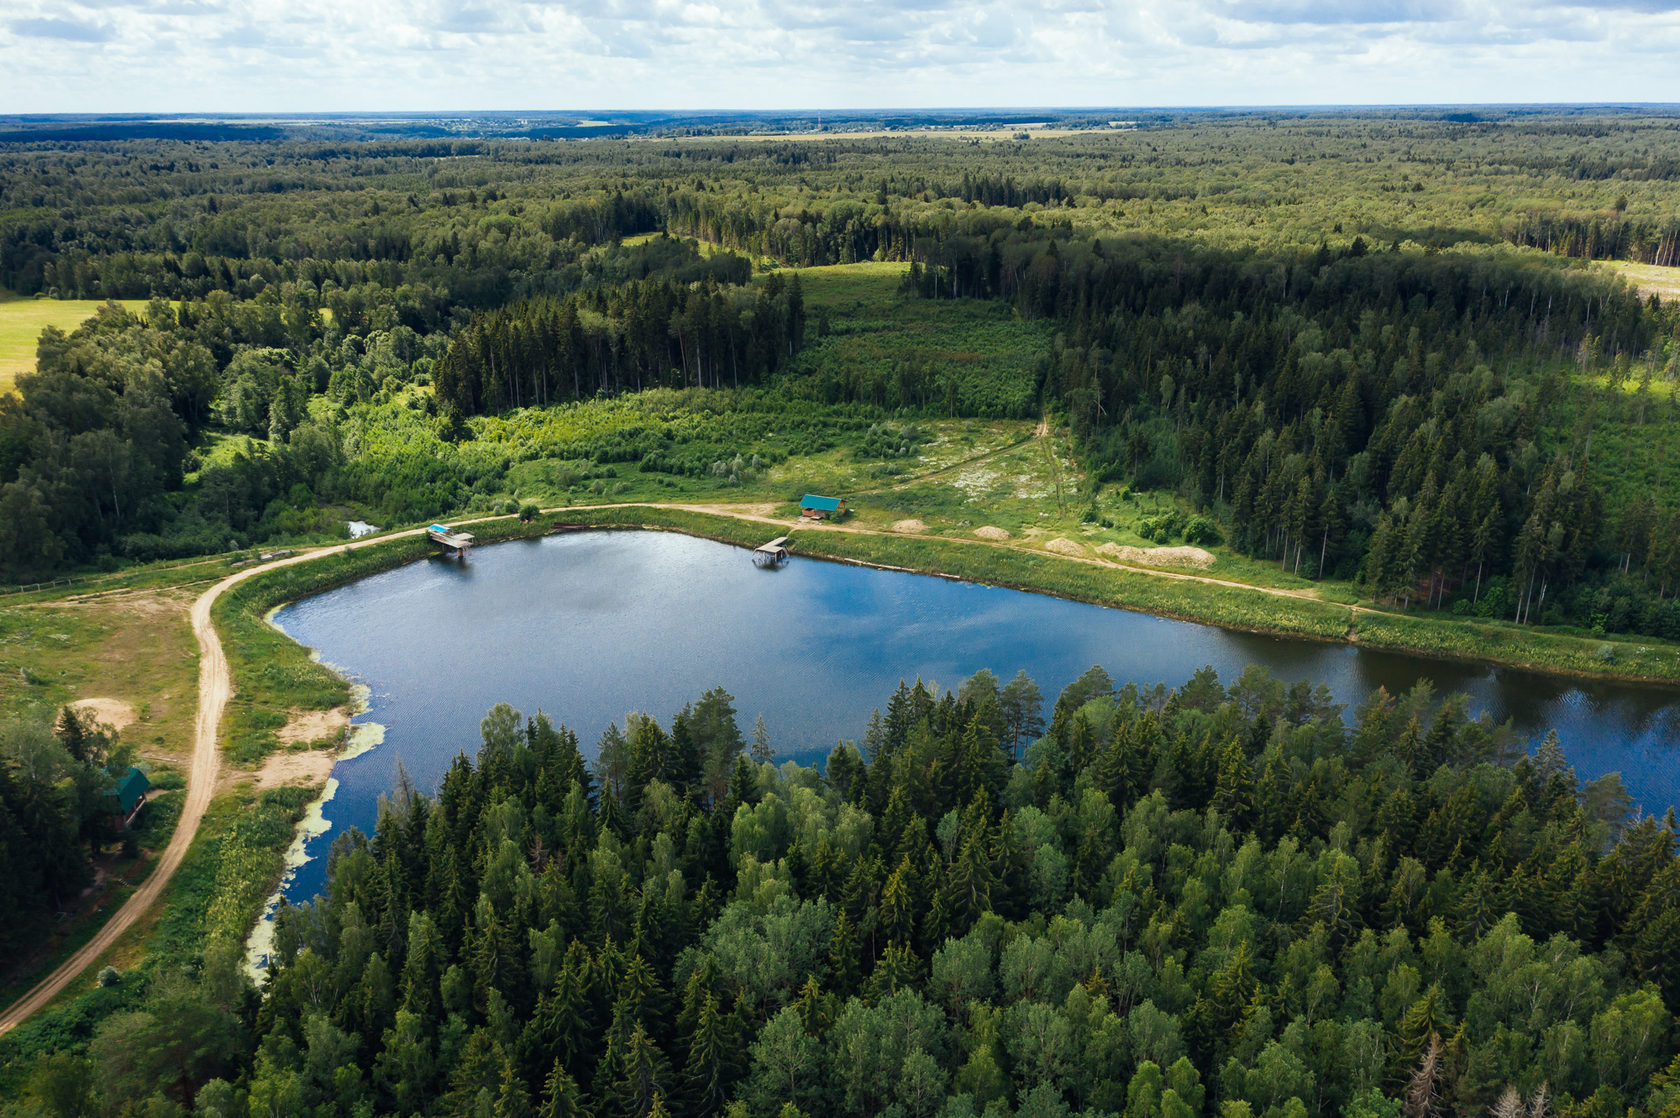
990,532
112,712
1192,557
309,767
313,725
910,526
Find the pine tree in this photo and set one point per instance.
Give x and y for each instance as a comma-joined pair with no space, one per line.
763,752
844,956
635,1074
513,1100
561,1097
1234,790
711,1057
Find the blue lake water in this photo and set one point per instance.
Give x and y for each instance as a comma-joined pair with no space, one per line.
589,626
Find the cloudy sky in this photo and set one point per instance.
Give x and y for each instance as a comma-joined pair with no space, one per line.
286,55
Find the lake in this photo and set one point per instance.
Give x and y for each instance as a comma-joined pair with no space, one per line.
588,626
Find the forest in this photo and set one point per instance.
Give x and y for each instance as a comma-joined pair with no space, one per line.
1215,899
1385,358
58,771
1334,360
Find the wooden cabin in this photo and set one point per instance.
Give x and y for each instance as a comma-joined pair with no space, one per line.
127,798
815,507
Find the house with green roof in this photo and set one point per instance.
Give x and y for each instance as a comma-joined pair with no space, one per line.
128,797
814,507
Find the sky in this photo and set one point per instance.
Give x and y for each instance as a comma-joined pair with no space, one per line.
433,55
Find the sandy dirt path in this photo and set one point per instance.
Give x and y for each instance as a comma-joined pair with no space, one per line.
215,687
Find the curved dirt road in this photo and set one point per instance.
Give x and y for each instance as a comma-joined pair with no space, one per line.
215,687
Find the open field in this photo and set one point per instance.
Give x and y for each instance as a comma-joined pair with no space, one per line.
1650,279
21,323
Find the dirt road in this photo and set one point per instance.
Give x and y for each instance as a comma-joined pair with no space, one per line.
215,687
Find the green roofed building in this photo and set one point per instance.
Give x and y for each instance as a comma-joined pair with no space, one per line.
130,797
817,508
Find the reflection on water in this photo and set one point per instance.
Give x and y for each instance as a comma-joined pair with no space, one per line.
588,626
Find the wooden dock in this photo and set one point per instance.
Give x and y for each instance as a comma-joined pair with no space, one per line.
456,544
772,554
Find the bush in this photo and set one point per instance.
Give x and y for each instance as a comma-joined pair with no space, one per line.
1606,652
1202,532
109,976
528,512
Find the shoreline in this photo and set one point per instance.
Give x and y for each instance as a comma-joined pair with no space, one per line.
1353,626
1166,594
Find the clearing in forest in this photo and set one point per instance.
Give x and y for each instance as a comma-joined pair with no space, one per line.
21,323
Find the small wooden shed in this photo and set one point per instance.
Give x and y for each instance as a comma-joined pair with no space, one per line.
127,798
817,507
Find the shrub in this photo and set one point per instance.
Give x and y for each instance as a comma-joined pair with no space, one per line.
109,976
1202,532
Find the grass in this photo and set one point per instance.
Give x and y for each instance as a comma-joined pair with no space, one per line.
21,323
1650,279
136,646
1636,658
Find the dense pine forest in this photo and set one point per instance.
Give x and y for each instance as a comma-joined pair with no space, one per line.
1211,900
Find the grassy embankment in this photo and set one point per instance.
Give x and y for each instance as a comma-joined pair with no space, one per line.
236,857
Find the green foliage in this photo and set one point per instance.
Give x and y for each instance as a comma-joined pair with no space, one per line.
58,770
1228,934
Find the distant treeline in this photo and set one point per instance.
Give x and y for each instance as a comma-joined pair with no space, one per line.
489,219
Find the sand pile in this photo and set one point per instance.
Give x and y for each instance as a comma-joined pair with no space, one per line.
1064,546
1193,557
909,526
987,532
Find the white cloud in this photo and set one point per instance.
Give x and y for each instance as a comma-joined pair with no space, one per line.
279,55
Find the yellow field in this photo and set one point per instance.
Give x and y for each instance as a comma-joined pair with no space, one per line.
21,323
